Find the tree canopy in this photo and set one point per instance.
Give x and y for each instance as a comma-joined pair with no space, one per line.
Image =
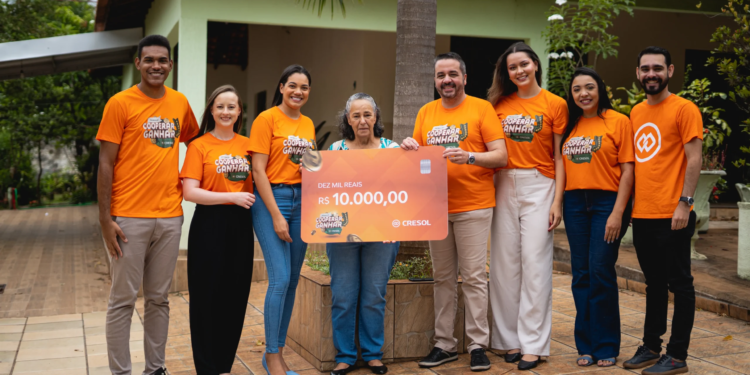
61,110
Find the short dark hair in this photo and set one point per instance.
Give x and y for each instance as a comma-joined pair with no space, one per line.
654,50
155,40
291,69
451,56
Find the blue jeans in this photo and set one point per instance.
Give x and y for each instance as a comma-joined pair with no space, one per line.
283,260
597,326
359,276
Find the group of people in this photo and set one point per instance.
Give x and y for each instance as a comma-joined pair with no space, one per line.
526,159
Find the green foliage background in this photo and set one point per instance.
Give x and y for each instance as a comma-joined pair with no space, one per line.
732,60
60,110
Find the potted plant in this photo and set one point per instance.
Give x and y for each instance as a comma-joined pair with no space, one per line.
715,129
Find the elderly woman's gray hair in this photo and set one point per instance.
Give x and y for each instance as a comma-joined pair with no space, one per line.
345,129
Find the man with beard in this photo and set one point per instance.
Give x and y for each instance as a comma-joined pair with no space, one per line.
473,138
668,142
140,202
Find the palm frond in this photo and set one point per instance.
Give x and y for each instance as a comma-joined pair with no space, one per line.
320,5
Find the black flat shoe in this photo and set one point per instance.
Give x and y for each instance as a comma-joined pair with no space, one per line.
525,365
343,371
380,370
513,358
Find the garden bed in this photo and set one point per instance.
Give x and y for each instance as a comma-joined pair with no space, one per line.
409,320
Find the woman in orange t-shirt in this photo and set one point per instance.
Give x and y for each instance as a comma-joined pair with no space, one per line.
216,176
528,192
278,139
599,157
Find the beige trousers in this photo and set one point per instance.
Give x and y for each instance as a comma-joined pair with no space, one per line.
149,256
464,249
521,262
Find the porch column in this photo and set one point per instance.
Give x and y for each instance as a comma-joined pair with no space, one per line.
191,81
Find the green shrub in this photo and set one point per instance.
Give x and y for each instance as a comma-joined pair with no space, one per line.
318,262
416,267
81,195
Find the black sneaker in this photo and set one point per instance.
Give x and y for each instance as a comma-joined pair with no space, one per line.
160,371
667,365
479,360
643,357
437,357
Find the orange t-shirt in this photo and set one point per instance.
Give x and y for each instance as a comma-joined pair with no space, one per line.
593,152
528,125
661,132
284,140
146,181
220,166
469,126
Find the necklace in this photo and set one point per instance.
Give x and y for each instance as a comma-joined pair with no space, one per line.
219,138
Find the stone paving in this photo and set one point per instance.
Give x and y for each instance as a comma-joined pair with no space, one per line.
52,314
74,344
52,262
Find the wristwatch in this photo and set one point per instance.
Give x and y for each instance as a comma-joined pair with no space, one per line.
688,200
471,159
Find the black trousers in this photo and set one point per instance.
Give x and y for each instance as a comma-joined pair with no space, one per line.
664,255
220,268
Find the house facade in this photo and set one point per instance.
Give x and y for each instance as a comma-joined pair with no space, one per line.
247,43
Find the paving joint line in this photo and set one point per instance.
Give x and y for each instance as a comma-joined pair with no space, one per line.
18,348
85,346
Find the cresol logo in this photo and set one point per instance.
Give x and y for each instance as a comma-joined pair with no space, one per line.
411,223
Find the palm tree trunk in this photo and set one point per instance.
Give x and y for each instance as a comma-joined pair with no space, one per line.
415,51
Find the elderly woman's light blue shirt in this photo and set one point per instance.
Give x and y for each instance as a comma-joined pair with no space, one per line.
341,145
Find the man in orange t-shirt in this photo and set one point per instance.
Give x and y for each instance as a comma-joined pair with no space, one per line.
668,133
473,138
140,202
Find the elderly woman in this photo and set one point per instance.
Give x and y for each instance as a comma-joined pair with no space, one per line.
360,271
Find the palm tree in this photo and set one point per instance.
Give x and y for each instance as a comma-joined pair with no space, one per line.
415,51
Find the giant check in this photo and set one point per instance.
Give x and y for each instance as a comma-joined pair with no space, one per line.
374,195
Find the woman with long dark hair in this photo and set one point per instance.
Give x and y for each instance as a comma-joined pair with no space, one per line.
278,139
528,193
216,176
599,160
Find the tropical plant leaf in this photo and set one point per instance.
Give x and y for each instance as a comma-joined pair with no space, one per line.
318,6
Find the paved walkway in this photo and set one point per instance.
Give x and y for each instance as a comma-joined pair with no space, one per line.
54,321
73,344
52,262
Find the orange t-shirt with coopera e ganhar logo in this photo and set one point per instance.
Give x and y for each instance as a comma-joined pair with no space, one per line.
145,182
220,166
660,134
284,140
594,150
528,125
470,126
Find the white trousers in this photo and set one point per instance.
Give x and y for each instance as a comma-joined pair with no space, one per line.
521,262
